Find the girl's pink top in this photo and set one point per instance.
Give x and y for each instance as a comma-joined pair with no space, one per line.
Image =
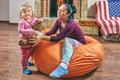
24,27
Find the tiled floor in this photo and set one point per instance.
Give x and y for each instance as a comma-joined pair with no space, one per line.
10,68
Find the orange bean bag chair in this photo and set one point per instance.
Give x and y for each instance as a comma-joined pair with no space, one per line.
86,58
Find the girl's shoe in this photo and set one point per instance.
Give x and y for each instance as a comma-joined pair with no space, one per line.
30,64
27,71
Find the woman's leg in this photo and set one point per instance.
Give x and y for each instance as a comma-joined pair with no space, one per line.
67,52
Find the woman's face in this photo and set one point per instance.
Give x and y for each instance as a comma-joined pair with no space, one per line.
26,14
62,12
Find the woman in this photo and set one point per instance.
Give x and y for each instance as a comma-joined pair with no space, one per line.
70,32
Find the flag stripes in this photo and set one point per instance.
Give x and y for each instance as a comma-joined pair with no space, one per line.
107,24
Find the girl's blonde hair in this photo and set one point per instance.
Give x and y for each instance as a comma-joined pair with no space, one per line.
24,7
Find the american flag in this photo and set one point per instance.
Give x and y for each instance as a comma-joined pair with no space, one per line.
107,16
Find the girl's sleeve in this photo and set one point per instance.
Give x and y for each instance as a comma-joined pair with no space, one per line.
66,32
53,30
23,30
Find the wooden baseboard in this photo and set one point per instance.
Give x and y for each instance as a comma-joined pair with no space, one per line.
88,22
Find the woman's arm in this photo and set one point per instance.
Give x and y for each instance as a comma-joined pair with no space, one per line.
44,37
66,32
54,29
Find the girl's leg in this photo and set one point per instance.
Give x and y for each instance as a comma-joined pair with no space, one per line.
25,55
29,62
67,52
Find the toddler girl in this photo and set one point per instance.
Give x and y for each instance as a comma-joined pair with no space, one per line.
25,29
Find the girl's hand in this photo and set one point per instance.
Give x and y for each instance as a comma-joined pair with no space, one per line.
32,40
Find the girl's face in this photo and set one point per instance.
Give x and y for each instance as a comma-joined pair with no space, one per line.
27,14
62,12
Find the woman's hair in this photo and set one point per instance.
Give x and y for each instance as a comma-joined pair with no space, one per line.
70,10
25,7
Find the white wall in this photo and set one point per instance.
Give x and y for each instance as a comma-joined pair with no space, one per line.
14,7
4,10
9,9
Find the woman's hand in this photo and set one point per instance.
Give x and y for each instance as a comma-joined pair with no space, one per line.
35,39
38,38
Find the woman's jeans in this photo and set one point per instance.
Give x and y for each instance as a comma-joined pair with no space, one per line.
67,50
